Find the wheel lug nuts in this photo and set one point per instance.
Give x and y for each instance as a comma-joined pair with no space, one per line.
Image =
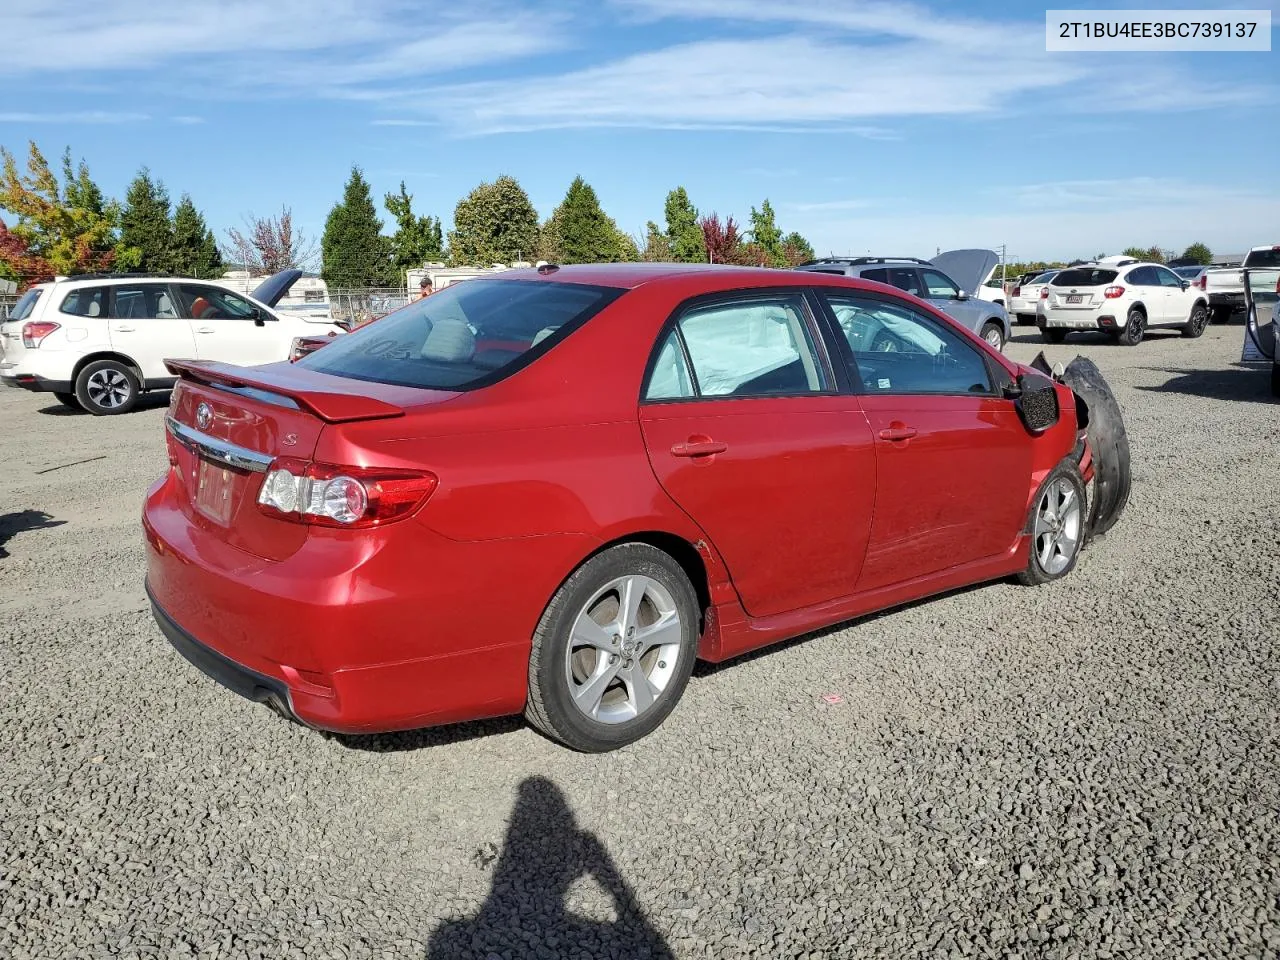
662,664
613,658
631,631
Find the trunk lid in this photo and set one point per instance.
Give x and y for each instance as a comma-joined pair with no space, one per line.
226,425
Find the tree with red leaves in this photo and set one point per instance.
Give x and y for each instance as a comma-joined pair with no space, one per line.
723,239
18,263
270,245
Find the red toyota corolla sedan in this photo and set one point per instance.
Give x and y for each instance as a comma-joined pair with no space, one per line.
552,491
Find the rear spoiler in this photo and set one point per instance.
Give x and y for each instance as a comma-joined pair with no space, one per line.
288,382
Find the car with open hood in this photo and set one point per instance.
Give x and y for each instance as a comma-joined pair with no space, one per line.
97,342
950,282
552,490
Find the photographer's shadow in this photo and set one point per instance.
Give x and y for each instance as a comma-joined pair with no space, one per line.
544,853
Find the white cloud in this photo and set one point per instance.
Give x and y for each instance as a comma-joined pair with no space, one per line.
78,116
828,206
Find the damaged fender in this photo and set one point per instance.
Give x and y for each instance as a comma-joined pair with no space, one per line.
1103,423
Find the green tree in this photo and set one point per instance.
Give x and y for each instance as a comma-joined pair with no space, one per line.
1153,254
354,252
580,232
417,240
796,249
195,251
684,230
657,248
146,231
766,235
494,223
1198,252
54,226
625,245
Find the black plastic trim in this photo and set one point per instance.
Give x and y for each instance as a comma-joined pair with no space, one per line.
38,384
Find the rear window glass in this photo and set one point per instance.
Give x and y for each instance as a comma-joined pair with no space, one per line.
1044,277
470,334
26,303
1083,277
1263,258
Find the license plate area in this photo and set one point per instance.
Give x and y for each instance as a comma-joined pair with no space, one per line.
215,491
1075,298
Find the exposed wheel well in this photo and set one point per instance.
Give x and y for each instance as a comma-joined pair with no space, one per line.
1140,308
108,355
679,549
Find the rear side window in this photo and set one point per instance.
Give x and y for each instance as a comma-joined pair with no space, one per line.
85,302
1083,277
141,301
469,335
903,278
26,303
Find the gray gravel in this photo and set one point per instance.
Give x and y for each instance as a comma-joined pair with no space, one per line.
1082,770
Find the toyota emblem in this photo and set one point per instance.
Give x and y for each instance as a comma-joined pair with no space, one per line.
203,416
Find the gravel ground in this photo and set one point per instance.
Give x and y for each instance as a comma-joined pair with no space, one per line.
1087,769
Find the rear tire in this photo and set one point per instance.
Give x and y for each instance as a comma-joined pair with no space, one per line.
1057,526
1054,334
107,387
993,333
1194,327
1135,328
69,401
592,650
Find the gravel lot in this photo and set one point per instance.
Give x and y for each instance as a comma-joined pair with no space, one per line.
1089,769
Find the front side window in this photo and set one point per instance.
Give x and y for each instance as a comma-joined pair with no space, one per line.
467,335
85,302
141,301
1167,277
939,285
899,351
201,302
1143,277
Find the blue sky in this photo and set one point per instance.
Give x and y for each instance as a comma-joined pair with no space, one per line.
884,126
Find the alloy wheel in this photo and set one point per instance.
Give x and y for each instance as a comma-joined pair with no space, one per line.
1058,526
108,388
623,650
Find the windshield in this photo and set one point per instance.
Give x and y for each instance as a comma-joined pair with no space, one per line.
1263,258
470,334
26,303
1083,277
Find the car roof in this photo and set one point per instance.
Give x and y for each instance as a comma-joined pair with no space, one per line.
110,279
628,276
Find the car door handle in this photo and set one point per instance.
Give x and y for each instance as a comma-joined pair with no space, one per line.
698,447
123,328
898,432
204,330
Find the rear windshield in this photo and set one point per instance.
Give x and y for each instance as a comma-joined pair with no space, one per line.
1044,277
26,303
1263,258
471,334
1083,277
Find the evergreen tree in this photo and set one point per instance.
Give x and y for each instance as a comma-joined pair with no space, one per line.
494,223
657,248
1198,252
417,240
586,234
796,249
766,235
195,251
684,231
354,251
146,232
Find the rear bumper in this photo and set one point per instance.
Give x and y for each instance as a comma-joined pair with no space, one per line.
1075,320
1227,299
398,629
36,384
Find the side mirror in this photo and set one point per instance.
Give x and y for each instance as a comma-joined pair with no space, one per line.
1012,390
1185,284
962,295
1037,403
259,320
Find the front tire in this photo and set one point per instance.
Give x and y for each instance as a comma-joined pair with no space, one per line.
994,335
614,649
1194,327
68,400
1135,328
1057,527
107,387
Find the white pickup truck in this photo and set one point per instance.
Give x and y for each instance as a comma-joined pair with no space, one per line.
1225,285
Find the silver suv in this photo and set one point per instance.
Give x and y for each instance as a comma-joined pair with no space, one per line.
927,280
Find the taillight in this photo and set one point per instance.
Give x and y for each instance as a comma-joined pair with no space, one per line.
333,496
1203,282
33,333
1112,293
1017,292
1044,293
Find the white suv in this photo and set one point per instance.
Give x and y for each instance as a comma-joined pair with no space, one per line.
1122,298
99,341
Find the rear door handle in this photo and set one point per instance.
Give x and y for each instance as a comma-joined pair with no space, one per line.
698,447
123,328
899,432
204,329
